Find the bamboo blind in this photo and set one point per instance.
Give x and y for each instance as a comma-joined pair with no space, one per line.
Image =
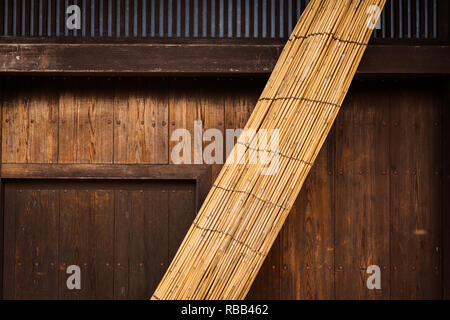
245,209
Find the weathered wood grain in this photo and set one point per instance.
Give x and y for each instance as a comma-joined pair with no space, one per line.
144,59
212,103
445,220
74,241
85,123
182,212
36,274
415,193
141,121
360,205
184,109
29,128
2,211
9,239
308,235
141,249
194,59
102,171
362,218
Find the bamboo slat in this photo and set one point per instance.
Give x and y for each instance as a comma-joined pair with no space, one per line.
245,209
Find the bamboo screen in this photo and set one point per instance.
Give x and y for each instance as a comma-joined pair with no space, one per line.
246,207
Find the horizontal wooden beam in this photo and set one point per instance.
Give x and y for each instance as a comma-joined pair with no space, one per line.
199,59
201,174
145,59
406,60
104,171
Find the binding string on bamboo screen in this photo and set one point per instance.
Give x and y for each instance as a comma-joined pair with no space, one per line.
245,209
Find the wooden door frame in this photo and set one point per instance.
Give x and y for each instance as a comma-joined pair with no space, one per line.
200,174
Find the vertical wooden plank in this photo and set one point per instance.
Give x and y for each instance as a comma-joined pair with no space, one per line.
362,192
86,128
47,238
23,277
87,230
36,274
184,109
181,214
239,103
8,130
157,105
16,121
345,283
74,241
30,135
101,233
308,235
2,212
150,238
415,193
141,116
141,244
446,189
9,242
212,107
122,243
43,127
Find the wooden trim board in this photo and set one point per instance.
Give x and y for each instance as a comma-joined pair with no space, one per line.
200,59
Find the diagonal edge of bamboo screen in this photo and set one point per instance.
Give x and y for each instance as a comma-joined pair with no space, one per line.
243,213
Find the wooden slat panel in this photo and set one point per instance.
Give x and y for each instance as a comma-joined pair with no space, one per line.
239,104
182,212
36,275
362,218
101,229
43,128
361,143
446,189
152,244
23,276
87,221
308,235
141,246
415,193
141,122
344,206
2,211
74,241
184,109
8,274
212,103
86,128
15,122
123,215
30,129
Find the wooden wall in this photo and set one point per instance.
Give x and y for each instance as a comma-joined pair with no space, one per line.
116,120
121,234
373,197
376,194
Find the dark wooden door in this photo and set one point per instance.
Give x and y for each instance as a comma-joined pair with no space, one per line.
122,235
